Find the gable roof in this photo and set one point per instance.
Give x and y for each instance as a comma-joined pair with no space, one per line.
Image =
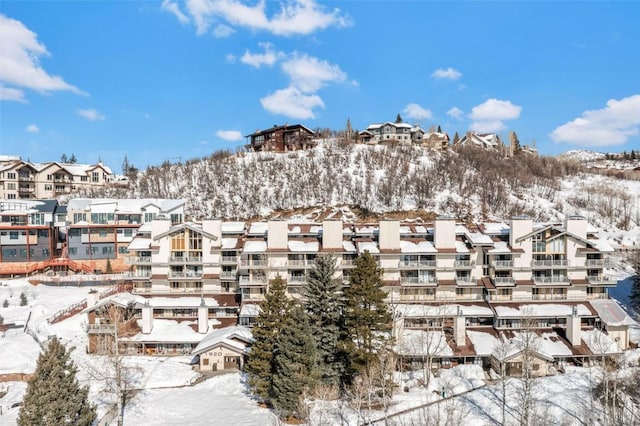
237,336
181,227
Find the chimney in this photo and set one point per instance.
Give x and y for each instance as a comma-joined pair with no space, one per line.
92,298
389,236
332,234
520,226
459,328
576,225
445,233
147,317
574,328
277,234
203,317
213,227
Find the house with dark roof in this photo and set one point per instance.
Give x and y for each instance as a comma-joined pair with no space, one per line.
283,138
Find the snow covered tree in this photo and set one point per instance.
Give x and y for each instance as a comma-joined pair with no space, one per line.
23,299
260,363
367,321
54,396
323,303
294,363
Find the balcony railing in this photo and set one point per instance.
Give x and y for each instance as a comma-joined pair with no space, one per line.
550,263
100,328
138,274
135,260
185,274
548,297
560,279
295,279
465,280
601,280
229,259
598,263
185,259
417,264
504,264
463,264
418,280
503,281
248,281
228,274
254,263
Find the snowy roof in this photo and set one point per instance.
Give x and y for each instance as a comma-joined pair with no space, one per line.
167,331
602,245
258,228
411,310
483,343
233,227
304,246
420,342
250,310
229,243
120,299
369,246
611,313
496,228
419,247
348,246
180,302
226,335
479,238
461,247
541,310
599,342
499,247
145,227
125,205
139,243
255,246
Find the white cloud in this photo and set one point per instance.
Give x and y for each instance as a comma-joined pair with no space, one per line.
416,112
309,74
611,125
269,57
489,115
488,126
32,128
292,102
174,9
91,114
294,17
11,94
456,113
223,31
446,73
231,58
229,135
20,51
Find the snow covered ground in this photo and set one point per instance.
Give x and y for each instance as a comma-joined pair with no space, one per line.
167,397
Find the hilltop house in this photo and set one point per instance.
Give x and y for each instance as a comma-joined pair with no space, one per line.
403,133
281,138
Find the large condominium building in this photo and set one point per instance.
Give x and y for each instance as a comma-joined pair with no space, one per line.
25,180
405,134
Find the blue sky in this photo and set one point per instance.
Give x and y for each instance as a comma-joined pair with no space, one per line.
168,80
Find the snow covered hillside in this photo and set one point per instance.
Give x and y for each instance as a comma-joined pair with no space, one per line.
346,179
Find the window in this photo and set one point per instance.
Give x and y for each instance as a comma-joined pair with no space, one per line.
128,232
13,235
123,250
49,177
79,217
73,250
45,252
101,218
95,177
148,217
107,250
11,175
11,186
177,242
48,187
84,179
8,253
205,361
11,196
43,233
37,219
176,218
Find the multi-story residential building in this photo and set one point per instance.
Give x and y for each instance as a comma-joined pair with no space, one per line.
24,180
281,138
404,133
481,140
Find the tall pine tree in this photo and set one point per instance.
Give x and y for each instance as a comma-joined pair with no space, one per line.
324,305
294,363
367,321
260,363
54,396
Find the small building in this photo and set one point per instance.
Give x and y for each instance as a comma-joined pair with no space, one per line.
281,138
223,349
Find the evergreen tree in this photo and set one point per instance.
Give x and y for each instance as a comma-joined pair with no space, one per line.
367,321
73,159
439,129
323,303
125,165
23,299
456,138
5,304
259,367
108,267
63,158
294,362
398,119
54,396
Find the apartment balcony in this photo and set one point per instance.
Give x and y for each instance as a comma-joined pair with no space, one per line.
463,264
545,264
347,263
254,264
596,263
295,280
24,178
299,262
602,280
248,281
252,297
138,260
26,189
148,290
185,259
138,275
185,274
548,297
466,281
503,281
229,260
558,279
502,264
419,281
417,264
417,297
228,275
100,328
